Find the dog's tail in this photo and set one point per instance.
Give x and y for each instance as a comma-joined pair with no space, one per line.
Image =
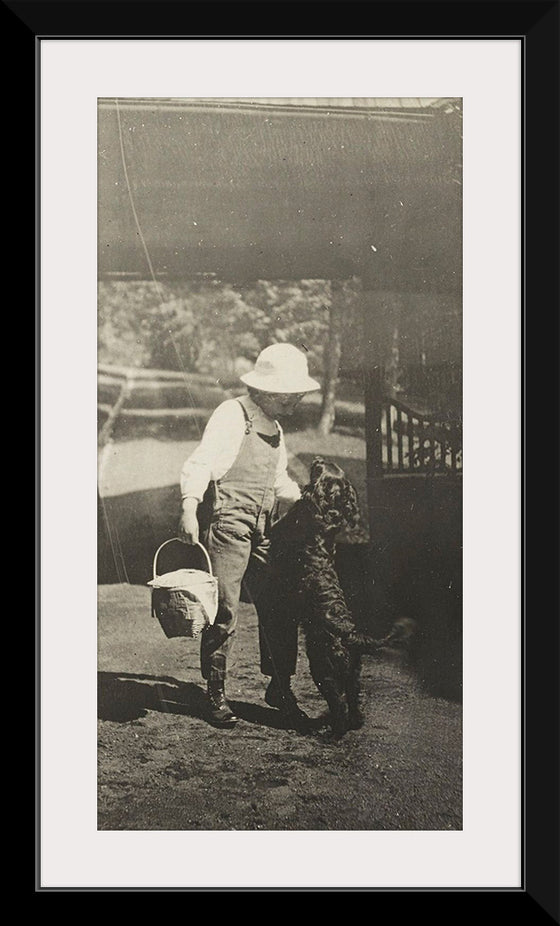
400,635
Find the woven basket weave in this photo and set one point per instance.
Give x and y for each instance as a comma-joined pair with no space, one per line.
184,601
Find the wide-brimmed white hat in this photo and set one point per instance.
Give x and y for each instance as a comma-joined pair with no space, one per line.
280,368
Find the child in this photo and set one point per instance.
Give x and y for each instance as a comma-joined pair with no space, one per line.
229,487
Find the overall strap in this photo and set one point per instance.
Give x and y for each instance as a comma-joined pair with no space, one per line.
248,420
272,439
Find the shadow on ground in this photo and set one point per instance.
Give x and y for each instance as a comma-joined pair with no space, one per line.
131,527
123,697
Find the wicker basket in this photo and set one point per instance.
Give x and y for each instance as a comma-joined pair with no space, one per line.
184,601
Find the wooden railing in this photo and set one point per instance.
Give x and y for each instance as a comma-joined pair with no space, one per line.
419,442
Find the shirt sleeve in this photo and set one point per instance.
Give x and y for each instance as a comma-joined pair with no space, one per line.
216,451
285,489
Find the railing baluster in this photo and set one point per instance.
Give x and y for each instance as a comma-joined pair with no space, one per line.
421,445
454,450
432,444
425,432
410,436
400,440
389,436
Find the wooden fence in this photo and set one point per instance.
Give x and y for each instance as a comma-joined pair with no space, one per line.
155,396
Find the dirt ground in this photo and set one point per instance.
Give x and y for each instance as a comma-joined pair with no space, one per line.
162,766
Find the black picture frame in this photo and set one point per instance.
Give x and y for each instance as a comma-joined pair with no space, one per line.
536,24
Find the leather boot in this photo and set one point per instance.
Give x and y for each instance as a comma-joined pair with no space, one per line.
221,715
280,695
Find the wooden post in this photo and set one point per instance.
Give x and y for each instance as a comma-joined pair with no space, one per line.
377,334
373,417
331,364
105,433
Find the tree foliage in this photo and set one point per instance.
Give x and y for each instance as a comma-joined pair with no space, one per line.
209,327
218,329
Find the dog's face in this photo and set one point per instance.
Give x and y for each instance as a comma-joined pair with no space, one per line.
332,495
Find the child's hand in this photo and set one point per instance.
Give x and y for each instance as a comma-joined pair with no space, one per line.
187,529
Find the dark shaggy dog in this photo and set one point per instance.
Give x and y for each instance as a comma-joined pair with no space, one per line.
305,581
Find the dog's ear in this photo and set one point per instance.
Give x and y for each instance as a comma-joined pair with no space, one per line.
317,467
335,501
350,508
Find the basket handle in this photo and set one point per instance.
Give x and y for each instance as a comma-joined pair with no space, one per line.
172,540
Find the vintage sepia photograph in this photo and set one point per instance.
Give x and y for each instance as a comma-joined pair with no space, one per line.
280,463
281,618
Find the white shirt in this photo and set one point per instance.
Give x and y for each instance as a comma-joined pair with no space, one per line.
220,444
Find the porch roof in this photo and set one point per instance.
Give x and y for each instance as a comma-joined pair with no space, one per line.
282,189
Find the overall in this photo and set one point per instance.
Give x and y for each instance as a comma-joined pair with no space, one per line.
235,517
